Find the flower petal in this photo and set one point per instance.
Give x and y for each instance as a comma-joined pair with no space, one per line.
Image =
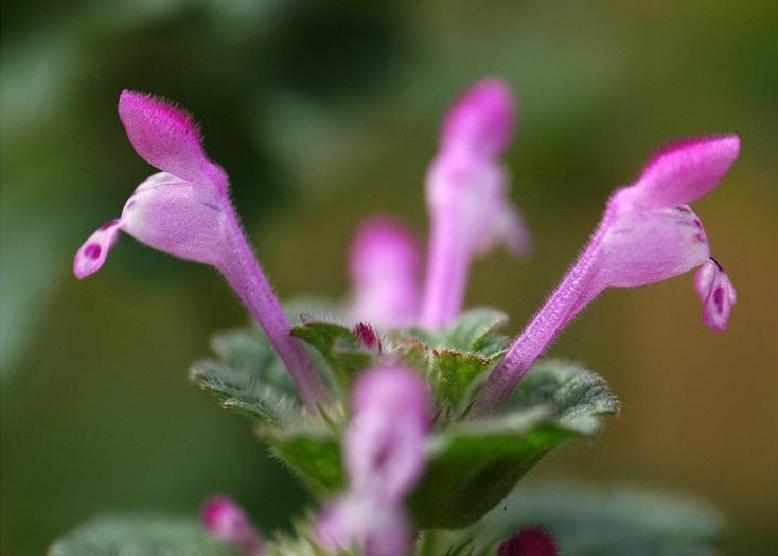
385,442
384,265
482,120
686,171
167,138
641,247
174,216
530,541
226,522
717,293
92,254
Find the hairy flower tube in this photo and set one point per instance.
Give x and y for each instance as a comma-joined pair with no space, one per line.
227,523
384,266
647,234
185,211
384,458
467,197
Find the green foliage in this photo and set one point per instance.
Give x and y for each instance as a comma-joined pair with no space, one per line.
476,463
605,522
472,464
474,330
247,350
249,378
454,372
456,358
314,456
577,397
245,393
139,535
338,346
468,472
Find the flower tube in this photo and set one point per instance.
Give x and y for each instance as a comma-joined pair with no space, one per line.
384,458
384,267
647,234
185,211
467,198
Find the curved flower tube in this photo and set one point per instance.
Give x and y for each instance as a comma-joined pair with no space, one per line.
647,234
185,211
384,266
384,458
467,197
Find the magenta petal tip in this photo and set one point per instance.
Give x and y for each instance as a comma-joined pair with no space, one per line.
226,522
482,120
384,267
167,138
686,170
91,256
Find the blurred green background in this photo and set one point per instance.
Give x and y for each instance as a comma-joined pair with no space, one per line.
324,112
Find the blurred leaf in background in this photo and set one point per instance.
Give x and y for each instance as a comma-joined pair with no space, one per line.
324,112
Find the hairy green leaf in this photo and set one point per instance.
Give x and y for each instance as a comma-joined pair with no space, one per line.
471,468
139,535
454,372
314,456
473,464
245,393
247,350
578,397
473,330
338,346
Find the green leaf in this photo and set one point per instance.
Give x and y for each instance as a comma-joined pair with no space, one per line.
454,372
338,346
247,350
457,357
139,535
578,397
245,393
473,464
314,456
472,467
476,463
606,522
473,330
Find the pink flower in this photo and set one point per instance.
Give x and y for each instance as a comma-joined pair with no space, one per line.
384,265
717,293
227,523
185,211
467,197
647,234
530,541
384,458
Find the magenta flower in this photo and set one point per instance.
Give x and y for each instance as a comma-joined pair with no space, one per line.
647,234
227,523
384,265
530,541
185,211
384,458
717,293
467,197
